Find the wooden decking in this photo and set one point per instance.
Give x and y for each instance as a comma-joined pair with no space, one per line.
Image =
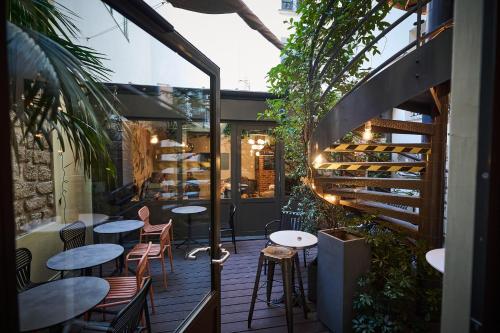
190,281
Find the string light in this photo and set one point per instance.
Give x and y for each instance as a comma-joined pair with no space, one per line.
367,134
154,139
333,199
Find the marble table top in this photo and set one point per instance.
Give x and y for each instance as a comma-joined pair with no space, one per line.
55,302
189,210
117,227
84,257
294,239
436,259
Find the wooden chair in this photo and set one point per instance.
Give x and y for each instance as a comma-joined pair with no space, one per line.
126,321
124,288
287,221
230,226
23,269
151,229
157,251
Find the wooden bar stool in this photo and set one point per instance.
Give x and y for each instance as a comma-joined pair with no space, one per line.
287,259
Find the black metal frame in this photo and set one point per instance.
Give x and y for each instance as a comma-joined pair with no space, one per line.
155,25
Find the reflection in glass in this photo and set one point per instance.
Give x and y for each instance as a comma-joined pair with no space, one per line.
257,164
225,160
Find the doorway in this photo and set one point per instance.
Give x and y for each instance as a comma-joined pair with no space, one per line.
251,175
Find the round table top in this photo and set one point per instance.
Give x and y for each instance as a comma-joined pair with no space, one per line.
55,302
117,227
189,210
436,259
294,239
84,257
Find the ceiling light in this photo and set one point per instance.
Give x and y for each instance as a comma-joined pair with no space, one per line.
251,141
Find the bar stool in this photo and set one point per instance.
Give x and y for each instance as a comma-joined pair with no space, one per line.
289,262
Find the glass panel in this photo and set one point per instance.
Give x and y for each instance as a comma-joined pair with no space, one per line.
225,160
258,176
151,114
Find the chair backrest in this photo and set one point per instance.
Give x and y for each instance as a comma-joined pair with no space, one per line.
129,317
291,221
165,235
142,266
23,268
73,235
232,213
144,215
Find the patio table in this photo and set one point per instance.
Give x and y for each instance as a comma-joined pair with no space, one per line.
119,227
189,210
85,257
436,259
56,302
297,240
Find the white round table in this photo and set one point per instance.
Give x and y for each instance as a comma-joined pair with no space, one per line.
189,210
294,239
435,258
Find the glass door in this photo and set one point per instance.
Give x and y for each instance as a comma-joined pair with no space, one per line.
257,178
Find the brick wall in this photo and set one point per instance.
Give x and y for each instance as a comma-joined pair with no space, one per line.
264,177
33,184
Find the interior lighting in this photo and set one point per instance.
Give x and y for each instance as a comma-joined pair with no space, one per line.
318,160
261,142
367,134
251,141
257,153
154,139
333,199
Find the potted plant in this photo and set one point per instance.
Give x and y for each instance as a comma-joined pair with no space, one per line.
343,257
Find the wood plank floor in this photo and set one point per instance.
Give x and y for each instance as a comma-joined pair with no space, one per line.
190,281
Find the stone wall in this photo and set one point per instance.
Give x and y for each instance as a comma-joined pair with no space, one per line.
33,185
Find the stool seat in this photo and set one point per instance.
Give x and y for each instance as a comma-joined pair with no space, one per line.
278,252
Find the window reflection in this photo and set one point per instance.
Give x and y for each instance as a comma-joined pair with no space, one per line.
225,161
257,164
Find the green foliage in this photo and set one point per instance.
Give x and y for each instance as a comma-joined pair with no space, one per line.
326,38
401,292
55,83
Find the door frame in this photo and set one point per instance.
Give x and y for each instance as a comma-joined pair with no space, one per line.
146,18
279,182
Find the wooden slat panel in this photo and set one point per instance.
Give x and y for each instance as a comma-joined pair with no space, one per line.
387,210
412,184
397,126
413,201
409,148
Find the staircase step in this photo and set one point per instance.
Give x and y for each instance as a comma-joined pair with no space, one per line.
390,198
411,184
372,166
380,125
382,209
409,148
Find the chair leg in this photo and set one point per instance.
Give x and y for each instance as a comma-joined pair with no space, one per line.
234,241
151,297
286,271
255,289
164,271
270,277
305,260
301,286
126,266
171,257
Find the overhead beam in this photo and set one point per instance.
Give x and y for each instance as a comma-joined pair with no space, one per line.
372,166
392,198
381,209
409,148
412,184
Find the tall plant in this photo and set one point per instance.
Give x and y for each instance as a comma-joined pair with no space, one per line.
55,84
311,78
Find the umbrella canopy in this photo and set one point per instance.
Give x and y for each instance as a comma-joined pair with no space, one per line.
228,7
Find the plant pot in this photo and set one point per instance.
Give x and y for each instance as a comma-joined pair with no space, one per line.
342,259
312,280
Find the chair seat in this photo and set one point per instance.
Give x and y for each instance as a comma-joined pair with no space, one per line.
278,252
139,249
153,228
122,287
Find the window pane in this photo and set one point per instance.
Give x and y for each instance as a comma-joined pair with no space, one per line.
257,164
225,160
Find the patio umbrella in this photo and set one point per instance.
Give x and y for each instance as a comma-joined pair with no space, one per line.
228,7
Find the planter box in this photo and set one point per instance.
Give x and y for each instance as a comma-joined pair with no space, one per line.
342,259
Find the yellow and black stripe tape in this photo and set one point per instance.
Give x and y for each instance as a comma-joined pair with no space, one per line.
386,148
389,167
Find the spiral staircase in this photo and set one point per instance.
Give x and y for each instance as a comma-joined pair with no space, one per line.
402,184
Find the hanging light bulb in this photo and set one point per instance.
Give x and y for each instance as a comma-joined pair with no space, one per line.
251,141
257,153
154,139
367,134
261,142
